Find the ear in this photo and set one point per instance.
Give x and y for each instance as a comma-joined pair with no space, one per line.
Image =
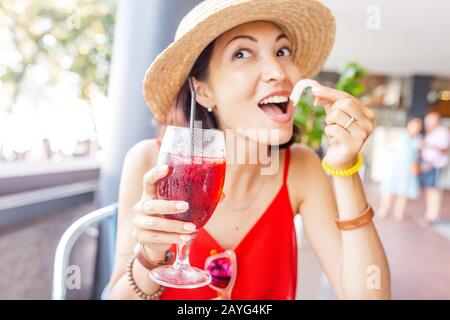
203,93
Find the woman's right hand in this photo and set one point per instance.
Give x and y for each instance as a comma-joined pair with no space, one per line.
151,229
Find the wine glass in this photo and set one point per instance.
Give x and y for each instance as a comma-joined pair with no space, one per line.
196,161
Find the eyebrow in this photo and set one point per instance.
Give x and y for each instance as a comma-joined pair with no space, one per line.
281,36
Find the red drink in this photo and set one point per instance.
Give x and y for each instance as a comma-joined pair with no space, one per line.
198,181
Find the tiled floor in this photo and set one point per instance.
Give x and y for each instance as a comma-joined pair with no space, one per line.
27,253
419,260
419,257
443,228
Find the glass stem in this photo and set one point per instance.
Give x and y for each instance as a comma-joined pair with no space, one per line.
182,259
226,295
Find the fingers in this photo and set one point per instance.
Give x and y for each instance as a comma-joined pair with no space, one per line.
329,93
348,106
353,109
339,117
369,113
343,109
336,134
151,237
323,102
160,206
160,224
151,177
326,96
358,133
158,232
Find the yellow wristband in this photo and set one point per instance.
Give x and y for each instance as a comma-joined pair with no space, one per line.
343,172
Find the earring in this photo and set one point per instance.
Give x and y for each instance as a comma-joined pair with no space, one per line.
209,109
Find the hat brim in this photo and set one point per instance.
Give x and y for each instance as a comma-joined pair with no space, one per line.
309,25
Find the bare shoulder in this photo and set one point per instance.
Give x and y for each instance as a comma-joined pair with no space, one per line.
304,161
139,159
304,166
143,155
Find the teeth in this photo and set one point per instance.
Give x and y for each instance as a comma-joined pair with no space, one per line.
275,99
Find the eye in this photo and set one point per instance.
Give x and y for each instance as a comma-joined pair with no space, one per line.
241,53
284,52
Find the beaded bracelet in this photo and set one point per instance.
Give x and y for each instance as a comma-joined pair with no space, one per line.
136,289
343,172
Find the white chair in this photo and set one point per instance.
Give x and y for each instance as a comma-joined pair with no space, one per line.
69,238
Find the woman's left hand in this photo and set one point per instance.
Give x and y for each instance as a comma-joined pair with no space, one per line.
344,143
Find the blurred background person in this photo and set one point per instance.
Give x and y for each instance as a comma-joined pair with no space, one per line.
434,155
401,177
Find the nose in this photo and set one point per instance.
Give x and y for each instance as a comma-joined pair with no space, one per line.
273,71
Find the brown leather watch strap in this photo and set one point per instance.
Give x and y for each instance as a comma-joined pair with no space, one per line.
148,263
357,222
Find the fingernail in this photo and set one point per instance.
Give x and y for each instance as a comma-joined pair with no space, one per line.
185,237
182,205
189,227
162,168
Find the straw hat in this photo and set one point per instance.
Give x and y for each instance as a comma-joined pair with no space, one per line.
309,25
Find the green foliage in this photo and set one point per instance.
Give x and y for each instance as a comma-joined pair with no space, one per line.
350,79
72,37
310,118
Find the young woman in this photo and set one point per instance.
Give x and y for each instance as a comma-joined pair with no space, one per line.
401,179
240,52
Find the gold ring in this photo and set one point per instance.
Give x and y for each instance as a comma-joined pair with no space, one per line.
349,122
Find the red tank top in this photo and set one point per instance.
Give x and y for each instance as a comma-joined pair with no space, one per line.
266,256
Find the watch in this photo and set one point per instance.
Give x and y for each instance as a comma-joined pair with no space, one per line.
149,264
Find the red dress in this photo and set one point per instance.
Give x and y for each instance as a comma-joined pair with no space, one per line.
266,256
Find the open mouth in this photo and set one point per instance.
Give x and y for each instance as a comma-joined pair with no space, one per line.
274,108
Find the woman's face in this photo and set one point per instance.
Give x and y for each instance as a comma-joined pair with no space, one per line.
414,126
432,121
250,63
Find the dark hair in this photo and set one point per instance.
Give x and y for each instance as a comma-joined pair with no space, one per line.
200,71
412,118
